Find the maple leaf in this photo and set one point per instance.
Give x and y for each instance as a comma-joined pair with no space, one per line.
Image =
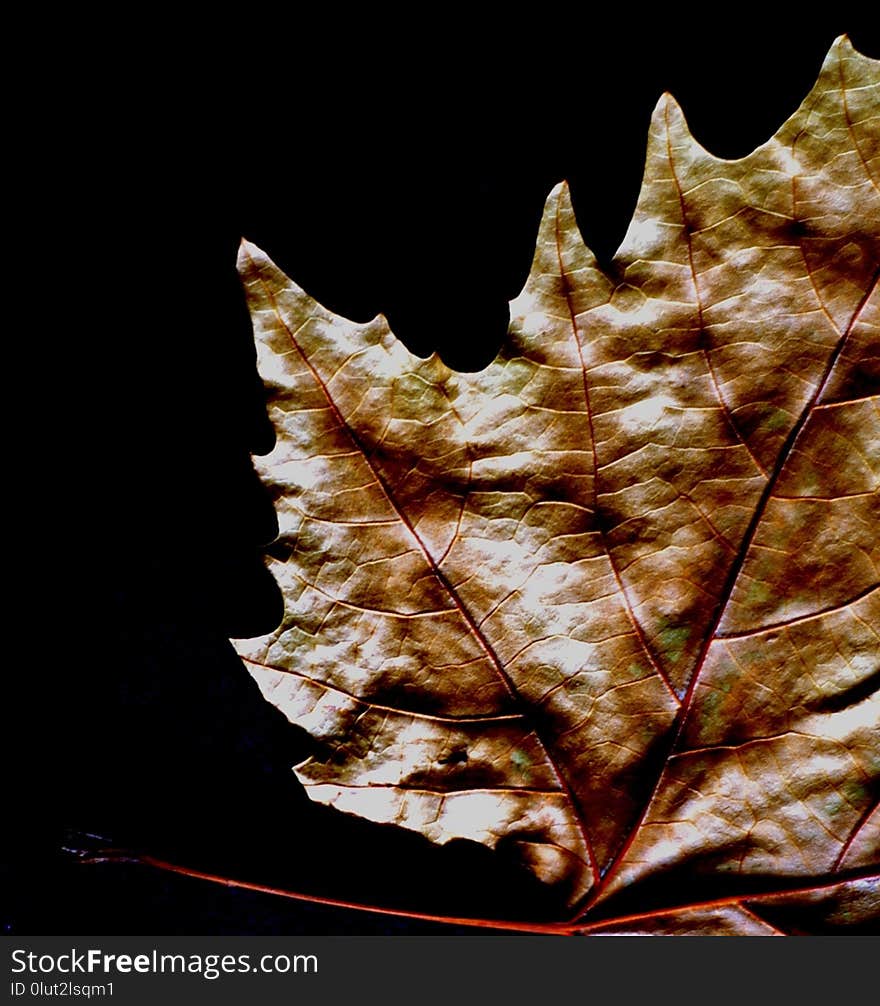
611,602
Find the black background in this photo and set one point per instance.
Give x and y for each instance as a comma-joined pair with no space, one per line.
402,173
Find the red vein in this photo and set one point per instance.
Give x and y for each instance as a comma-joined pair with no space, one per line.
849,125
857,827
464,498
747,911
433,717
721,537
712,748
799,618
736,900
807,270
516,790
690,250
601,528
481,639
848,401
115,856
185,871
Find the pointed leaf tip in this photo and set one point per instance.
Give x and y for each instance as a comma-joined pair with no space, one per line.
559,218
841,48
563,197
668,110
247,250
557,193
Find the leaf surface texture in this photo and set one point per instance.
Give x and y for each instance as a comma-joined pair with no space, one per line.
611,602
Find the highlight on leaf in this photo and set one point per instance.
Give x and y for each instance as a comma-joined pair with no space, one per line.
611,602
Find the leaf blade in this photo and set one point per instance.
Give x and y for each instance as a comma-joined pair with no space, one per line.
516,596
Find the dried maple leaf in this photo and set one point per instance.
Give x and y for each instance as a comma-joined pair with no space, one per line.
611,601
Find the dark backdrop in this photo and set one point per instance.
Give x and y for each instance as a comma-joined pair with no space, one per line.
406,178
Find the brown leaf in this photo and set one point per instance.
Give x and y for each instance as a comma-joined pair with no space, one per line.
612,601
